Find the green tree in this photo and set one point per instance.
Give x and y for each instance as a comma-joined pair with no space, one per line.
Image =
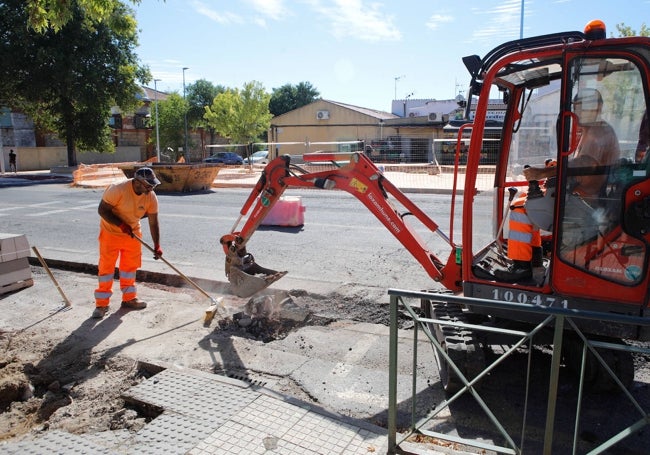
68,80
53,14
240,115
199,95
290,97
625,30
171,124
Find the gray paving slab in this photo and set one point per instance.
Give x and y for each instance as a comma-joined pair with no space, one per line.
204,414
168,434
209,398
55,443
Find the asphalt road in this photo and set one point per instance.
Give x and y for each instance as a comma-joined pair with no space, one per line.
340,243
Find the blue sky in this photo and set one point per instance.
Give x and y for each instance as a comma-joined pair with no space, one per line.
359,52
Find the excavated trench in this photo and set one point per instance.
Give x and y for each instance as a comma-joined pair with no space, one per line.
272,317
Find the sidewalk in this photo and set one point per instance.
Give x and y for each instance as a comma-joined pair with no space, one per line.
196,412
236,177
32,178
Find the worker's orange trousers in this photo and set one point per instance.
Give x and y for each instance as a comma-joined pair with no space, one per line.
129,251
523,235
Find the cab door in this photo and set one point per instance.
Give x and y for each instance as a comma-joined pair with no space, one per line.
603,102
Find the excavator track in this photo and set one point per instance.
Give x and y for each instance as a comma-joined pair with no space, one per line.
460,344
597,378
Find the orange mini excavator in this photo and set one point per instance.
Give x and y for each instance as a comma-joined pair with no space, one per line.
557,92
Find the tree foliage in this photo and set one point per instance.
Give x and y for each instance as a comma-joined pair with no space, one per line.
55,14
240,115
171,124
626,30
68,80
199,95
290,97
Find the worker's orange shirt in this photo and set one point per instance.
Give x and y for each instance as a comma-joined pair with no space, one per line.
128,206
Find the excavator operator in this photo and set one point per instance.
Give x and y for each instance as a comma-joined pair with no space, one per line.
597,150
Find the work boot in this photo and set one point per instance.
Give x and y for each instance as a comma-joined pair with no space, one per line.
100,312
537,265
519,270
134,304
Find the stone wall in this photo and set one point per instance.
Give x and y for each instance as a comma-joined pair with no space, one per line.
46,158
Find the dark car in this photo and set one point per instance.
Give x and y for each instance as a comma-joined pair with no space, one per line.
225,158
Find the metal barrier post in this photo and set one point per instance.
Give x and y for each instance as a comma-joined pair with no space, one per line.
553,384
392,377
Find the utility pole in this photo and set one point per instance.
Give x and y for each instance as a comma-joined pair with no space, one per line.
185,149
155,97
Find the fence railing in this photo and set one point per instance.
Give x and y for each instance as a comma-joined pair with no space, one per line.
561,322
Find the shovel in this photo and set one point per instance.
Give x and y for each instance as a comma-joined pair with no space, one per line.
217,304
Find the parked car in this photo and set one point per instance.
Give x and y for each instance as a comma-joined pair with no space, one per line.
225,158
260,157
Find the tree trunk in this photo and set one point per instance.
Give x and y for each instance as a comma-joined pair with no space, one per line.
72,153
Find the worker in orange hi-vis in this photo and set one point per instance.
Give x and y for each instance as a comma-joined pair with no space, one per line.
122,207
525,238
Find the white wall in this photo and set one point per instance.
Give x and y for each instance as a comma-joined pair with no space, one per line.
45,158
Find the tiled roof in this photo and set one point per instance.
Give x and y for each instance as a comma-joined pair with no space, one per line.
151,94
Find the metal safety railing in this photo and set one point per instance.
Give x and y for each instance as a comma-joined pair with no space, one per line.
559,320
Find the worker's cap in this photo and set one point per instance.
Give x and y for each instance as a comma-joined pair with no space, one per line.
146,174
590,98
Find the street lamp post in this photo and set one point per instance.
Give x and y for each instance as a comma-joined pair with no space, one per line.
397,79
521,22
155,98
185,149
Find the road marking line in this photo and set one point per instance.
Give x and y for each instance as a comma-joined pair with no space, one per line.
41,204
85,206
50,212
201,217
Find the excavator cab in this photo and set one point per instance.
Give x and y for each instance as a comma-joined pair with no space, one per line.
577,100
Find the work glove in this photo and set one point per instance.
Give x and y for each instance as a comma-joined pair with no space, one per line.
158,252
126,229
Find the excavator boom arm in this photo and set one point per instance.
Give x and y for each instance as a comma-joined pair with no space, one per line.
361,178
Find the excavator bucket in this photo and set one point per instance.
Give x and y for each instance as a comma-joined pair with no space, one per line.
246,277
243,284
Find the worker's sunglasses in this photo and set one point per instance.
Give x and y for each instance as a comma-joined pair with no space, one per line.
146,185
142,175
